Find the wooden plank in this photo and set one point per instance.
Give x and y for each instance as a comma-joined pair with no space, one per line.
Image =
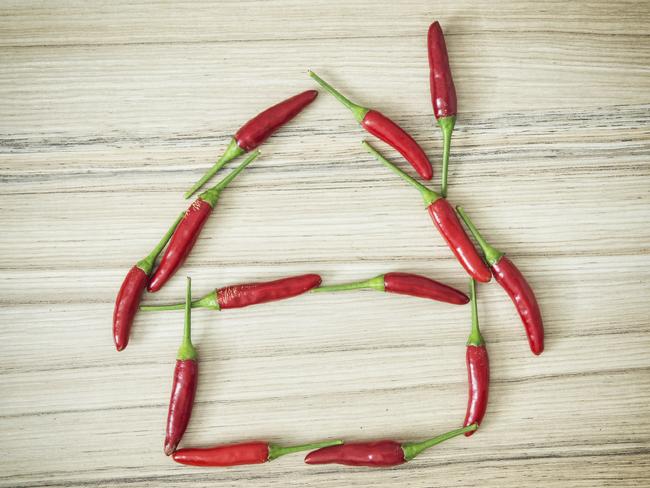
110,111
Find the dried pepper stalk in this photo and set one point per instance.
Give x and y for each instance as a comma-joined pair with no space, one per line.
385,129
445,220
242,453
256,131
380,453
515,285
186,375
405,284
478,369
443,94
130,294
237,296
189,228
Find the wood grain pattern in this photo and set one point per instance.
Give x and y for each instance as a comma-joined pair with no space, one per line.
108,111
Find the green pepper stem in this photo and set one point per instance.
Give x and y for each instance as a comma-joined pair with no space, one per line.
187,350
212,195
376,283
475,337
492,255
147,263
412,449
429,196
358,111
447,127
208,301
276,451
232,151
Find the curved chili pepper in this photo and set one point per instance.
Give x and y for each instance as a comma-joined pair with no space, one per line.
130,294
185,381
256,131
242,453
385,129
379,453
446,221
515,285
478,369
189,228
443,94
238,296
405,284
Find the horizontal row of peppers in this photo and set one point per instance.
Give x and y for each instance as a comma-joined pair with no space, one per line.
181,237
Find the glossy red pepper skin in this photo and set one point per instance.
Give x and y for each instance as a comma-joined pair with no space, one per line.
243,295
259,128
385,129
405,284
243,453
256,131
186,376
478,369
443,91
392,134
238,296
181,243
130,294
445,219
478,377
126,305
230,455
443,95
379,454
190,227
515,285
522,295
373,454
423,287
185,381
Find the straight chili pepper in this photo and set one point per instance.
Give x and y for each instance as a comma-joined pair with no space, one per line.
515,285
185,380
378,454
478,369
445,220
254,132
130,294
385,129
443,94
237,296
189,228
242,453
405,284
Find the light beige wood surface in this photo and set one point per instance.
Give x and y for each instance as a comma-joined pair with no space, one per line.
109,110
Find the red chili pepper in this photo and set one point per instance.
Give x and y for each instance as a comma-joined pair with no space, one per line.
185,380
443,94
379,453
515,285
237,296
446,222
405,284
189,228
478,369
254,132
385,129
130,294
243,453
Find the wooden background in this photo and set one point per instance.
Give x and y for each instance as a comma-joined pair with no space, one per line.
109,110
